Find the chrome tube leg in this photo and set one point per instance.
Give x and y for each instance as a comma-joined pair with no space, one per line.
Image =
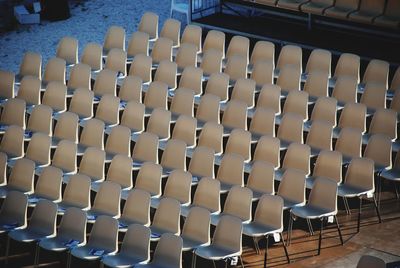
256,246
241,261
395,189
289,231
7,250
214,264
193,257
359,216
377,210
284,247
310,229
320,236
339,231
37,249
346,205
266,251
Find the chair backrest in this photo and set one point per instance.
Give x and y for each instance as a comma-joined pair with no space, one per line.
107,200
207,195
55,96
269,211
261,177
263,51
12,142
14,208
67,127
39,149
137,241
289,78
82,103
141,67
167,216
168,252
172,30
29,90
185,130
3,168
159,123
291,128
179,186
297,103
360,173
138,44
49,184
349,142
192,78
73,225
263,122
268,150
374,95
133,212
215,40
320,135
372,7
7,80
293,186
202,162
395,84
41,120
236,67
77,191
22,175
186,56
379,149
317,84
114,38
92,163
238,203
162,49
377,70
108,109
131,89
149,178
290,54
239,45
325,109
319,60
174,155
14,112
31,64
116,61
395,103
68,49
120,171
263,72
197,225
228,234
65,156
44,218
235,115
93,56
384,121
119,141
353,115
348,64
55,70
208,109
149,24
218,85
167,72
244,90
211,61
93,134
323,195
146,148
298,157
345,89
133,116
211,136
239,142
329,165
104,234
368,261
192,34
105,83
156,96
183,102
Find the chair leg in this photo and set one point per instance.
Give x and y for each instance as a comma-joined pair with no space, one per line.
289,231
214,264
241,261
395,189
256,246
37,249
310,229
320,236
377,209
193,259
266,252
7,250
339,231
284,247
346,205
359,216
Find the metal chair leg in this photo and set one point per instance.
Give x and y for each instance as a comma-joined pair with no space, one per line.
284,247
266,252
37,249
241,261
395,189
7,250
359,216
339,231
310,228
377,209
289,231
346,205
193,257
256,246
320,236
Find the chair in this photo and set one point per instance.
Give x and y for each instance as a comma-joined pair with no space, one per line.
192,35
239,142
178,187
291,4
131,89
186,56
133,116
120,171
7,80
156,96
105,83
202,163
135,248
114,38
236,67
3,169
379,149
106,201
345,90
349,143
263,51
390,17
162,50
395,103
244,90
48,185
289,55
226,242
235,115
92,55
134,214
218,85
395,84
230,172
67,49
239,45
13,212
71,232
166,219
215,40
67,128
211,136
263,73
353,115
141,67
76,193
297,157
297,103
39,149
211,61
185,130
263,122
65,157
261,179
55,71
292,188
92,164
103,240
367,11
31,65
149,179
319,137
192,78
289,78
166,73
12,143
319,59
328,165
316,6
159,123
21,177
149,24
377,71
290,129
40,120
317,84
174,156
172,30
146,148
322,204
138,44
371,262
168,252
374,96
325,110
29,90
108,110
268,150
82,103
268,220
92,135
116,61
55,96
384,121
359,182
342,9
270,98
118,142
348,64
183,102
208,110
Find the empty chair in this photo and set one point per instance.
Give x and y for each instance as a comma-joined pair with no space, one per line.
342,9
103,240
263,51
379,149
218,84
21,177
325,110
107,201
66,128
108,110
134,214
207,196
316,6
172,30
377,71
82,103
261,179
263,122
133,116
292,188
141,67
328,165
118,142
297,157
370,261
236,67
138,44
76,193
196,230
157,95
92,55
135,248
384,121
239,45
348,64
40,120
55,71
12,142
55,96
162,50
208,109
289,78
359,182
263,73
322,204
367,11
317,84
146,148
211,61
178,187
186,56
185,130
211,136
149,179
290,4
7,80
268,150
183,102
131,89
297,103
390,17
3,168
395,84
120,171
353,115
39,149
48,185
349,143
239,142
31,65
235,115
244,90
345,90
291,129
319,137
270,98
395,103
159,123
374,96
65,157
166,219
226,242
149,24
192,78
290,55
202,163
106,83
174,156
116,61
238,203
92,135
166,73
230,172
67,49
29,90
114,38
192,35
92,164
215,40
13,212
